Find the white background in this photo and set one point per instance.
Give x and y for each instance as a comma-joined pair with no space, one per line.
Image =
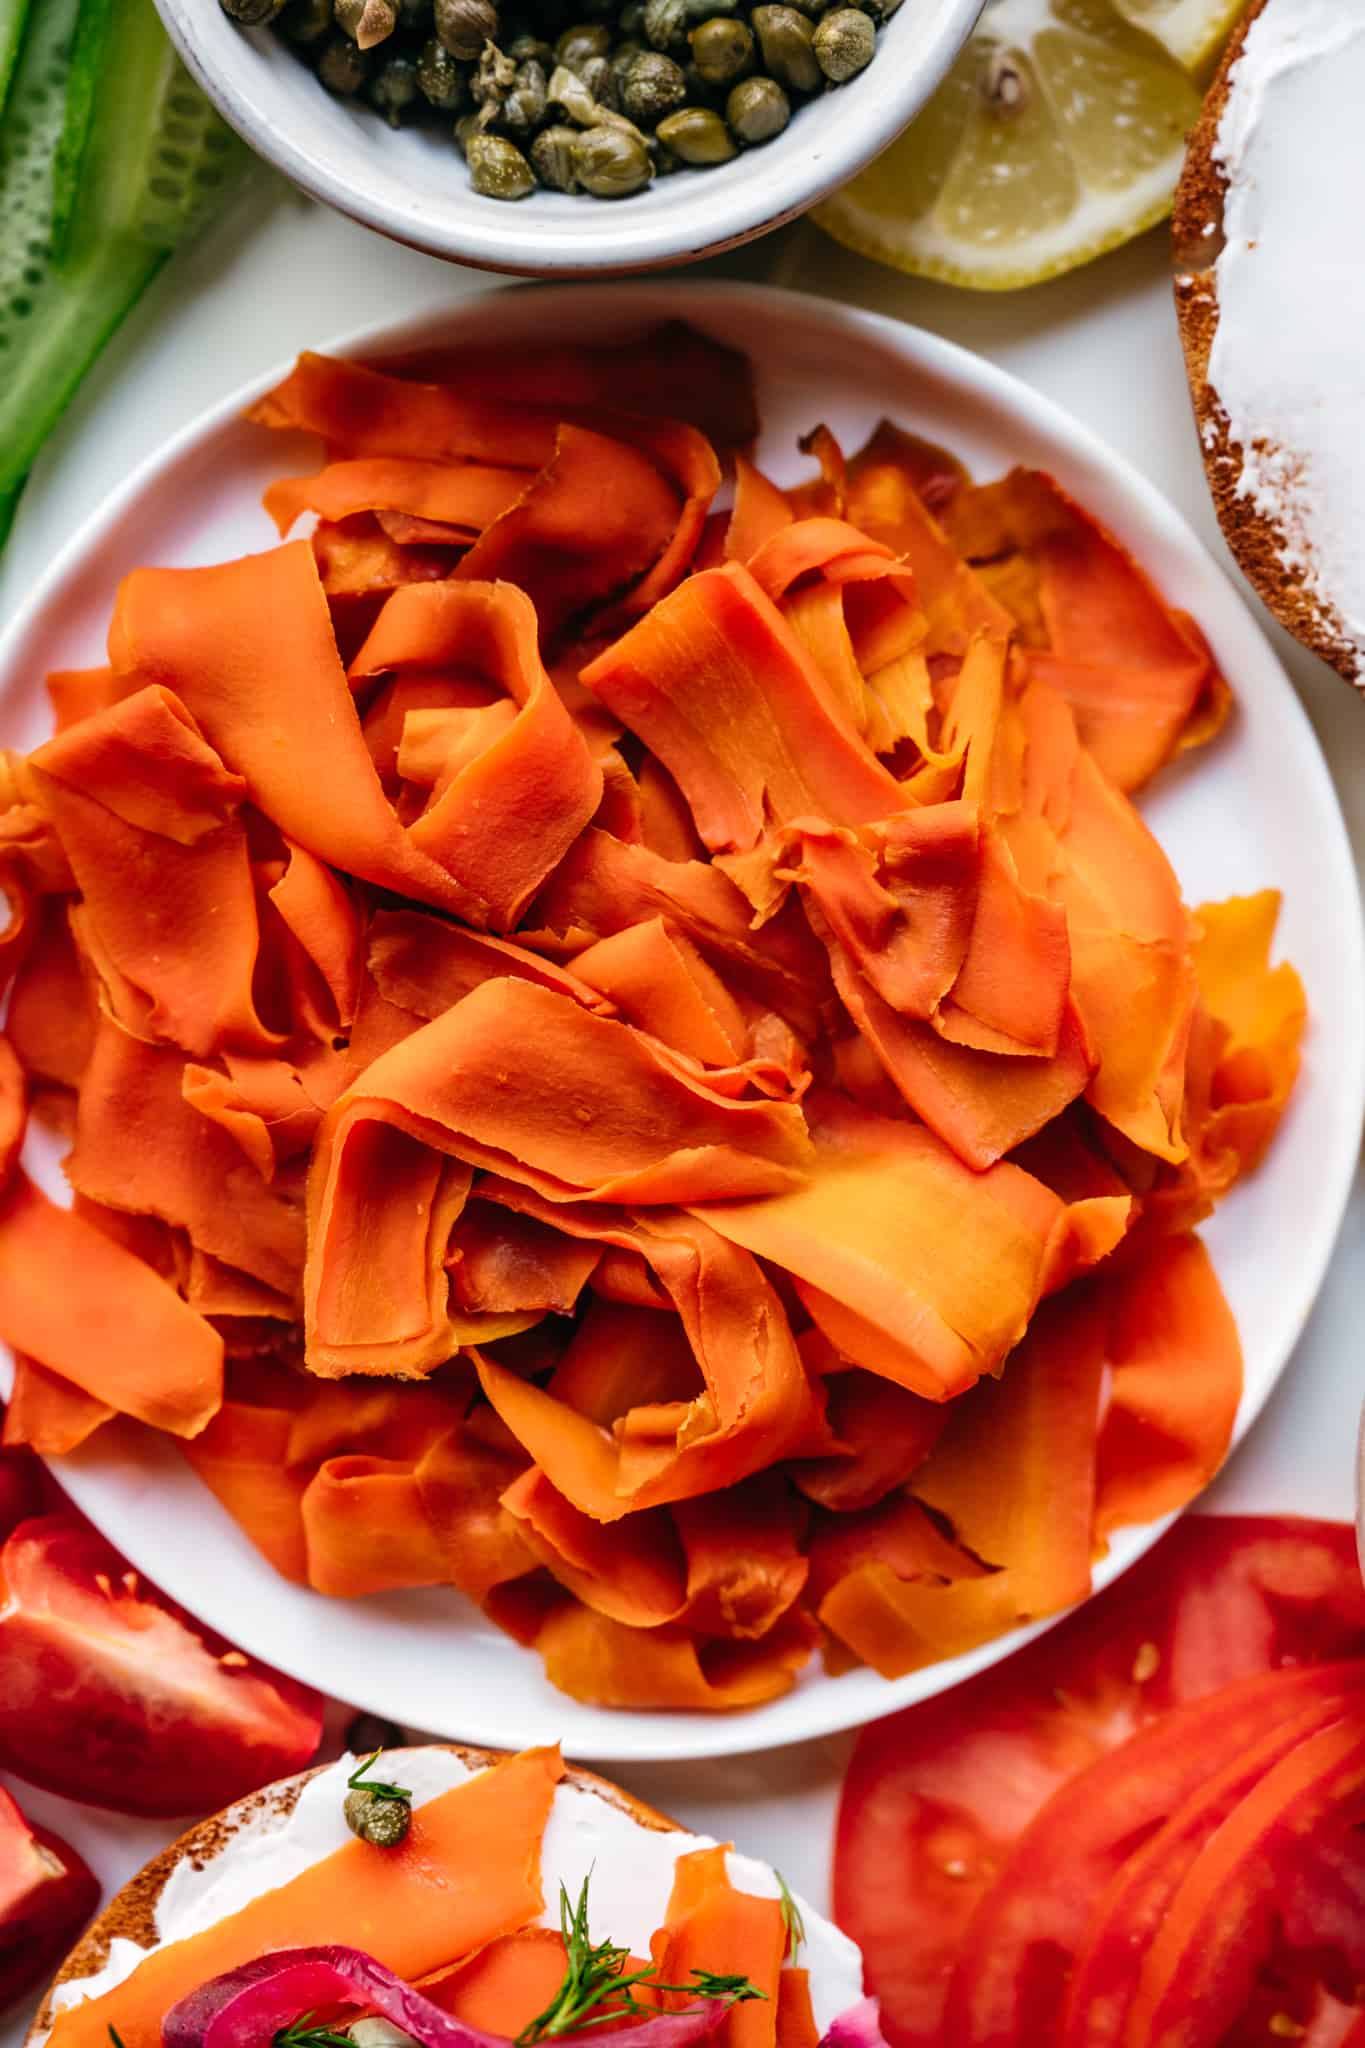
282,275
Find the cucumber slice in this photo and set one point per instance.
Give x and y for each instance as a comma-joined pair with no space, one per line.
155,159
29,140
88,60
13,17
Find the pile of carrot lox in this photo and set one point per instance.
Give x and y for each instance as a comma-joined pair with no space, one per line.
633,1059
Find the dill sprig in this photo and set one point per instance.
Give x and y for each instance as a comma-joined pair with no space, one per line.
791,1918
302,2034
377,1789
597,1986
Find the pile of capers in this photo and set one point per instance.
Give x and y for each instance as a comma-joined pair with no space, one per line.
590,96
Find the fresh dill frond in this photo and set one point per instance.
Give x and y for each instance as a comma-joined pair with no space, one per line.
598,1987
791,1918
377,1789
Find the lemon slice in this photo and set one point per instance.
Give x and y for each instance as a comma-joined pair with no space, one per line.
1194,31
1059,133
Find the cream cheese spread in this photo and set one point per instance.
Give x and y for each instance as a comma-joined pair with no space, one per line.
631,1865
1287,364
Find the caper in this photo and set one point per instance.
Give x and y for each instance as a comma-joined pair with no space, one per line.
621,59
569,96
577,44
440,80
464,26
785,38
552,157
665,24
394,90
844,44
383,1822
523,110
697,136
756,110
595,73
493,79
568,93
252,13
610,163
366,22
342,67
306,21
498,169
722,50
524,48
653,87
468,128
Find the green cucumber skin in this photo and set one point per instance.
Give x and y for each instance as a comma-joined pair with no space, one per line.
13,20
89,59
123,172
75,314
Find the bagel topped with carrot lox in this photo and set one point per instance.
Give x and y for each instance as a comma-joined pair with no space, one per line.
448,1898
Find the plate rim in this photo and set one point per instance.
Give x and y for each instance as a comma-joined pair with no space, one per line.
832,1705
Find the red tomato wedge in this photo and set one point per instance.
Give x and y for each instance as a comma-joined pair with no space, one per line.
1021,1944
1105,1981
1222,1919
114,1696
46,1896
937,1797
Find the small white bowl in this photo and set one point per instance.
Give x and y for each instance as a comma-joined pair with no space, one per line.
412,184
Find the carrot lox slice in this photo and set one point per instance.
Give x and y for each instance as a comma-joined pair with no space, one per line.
412,1908
49,1414
745,1404
1014,1473
1262,1012
467,496
1177,1380
147,813
713,1926
507,812
96,1316
1138,674
601,516
605,1663
915,1266
769,745
243,1459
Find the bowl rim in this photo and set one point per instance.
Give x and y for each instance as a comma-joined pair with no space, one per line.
519,241
1123,496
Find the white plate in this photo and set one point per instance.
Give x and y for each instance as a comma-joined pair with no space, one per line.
1256,810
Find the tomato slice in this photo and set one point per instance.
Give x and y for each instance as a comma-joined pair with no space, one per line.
1021,1943
46,1896
936,1797
113,1695
1198,1971
1287,1708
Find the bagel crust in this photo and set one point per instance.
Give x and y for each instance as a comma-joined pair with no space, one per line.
1262,545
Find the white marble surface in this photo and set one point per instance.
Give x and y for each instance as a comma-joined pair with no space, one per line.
283,274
